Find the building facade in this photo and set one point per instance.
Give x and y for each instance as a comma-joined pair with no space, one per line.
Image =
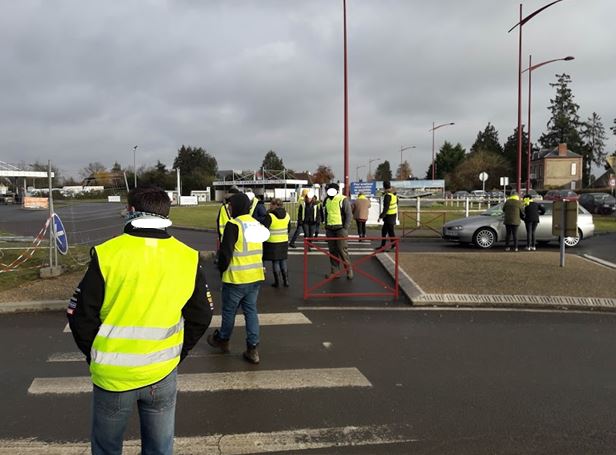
556,168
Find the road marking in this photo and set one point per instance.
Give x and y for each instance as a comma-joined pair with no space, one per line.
77,356
406,275
600,261
313,378
264,319
436,308
238,444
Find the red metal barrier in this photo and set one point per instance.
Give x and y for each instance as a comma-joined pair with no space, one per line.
394,243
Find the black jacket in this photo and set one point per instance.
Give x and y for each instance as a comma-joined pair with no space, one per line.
532,212
240,205
83,310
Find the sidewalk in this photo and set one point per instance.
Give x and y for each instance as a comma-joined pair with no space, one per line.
528,279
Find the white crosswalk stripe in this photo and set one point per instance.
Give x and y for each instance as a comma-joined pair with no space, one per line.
310,378
264,319
237,444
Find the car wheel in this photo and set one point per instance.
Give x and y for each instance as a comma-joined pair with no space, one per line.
571,242
484,238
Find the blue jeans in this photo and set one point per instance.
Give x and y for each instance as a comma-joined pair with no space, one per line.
234,296
156,404
280,266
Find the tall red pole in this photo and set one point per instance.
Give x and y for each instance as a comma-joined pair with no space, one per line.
519,162
432,150
529,152
346,110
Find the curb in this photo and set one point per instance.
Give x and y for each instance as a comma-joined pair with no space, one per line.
33,306
419,298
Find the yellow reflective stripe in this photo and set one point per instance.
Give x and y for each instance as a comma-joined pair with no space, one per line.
134,360
140,333
244,254
278,231
236,268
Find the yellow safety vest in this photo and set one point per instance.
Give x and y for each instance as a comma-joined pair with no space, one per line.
393,205
253,205
279,229
147,283
333,206
246,264
223,217
315,208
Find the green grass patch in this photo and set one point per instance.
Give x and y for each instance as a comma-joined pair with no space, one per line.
197,216
604,223
76,260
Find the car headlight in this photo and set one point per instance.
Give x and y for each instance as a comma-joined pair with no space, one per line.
455,228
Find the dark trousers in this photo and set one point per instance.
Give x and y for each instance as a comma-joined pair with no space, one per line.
309,230
512,231
295,234
338,248
531,227
361,228
389,223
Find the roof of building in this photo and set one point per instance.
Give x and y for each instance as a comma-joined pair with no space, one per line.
553,153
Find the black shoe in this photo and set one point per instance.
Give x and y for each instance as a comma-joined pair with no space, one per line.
276,282
251,355
285,279
216,342
292,245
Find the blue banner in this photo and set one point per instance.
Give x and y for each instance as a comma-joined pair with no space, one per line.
368,188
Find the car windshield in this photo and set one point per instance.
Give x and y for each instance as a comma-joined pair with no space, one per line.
495,210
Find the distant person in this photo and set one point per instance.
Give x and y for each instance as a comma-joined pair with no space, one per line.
276,247
141,306
361,206
337,217
514,214
300,220
532,211
389,214
241,265
223,212
312,215
260,212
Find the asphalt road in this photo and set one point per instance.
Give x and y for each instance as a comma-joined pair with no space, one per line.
92,223
445,382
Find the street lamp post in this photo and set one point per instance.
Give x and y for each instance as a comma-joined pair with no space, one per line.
357,168
135,163
520,24
530,70
370,166
433,129
346,109
402,149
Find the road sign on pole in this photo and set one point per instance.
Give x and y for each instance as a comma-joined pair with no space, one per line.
483,177
60,234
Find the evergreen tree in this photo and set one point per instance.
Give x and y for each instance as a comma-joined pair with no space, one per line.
593,151
272,162
487,140
564,123
446,160
197,168
383,171
510,153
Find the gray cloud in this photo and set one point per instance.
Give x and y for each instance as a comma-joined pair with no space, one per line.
85,81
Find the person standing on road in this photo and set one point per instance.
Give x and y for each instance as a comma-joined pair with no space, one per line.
360,213
300,217
241,265
141,306
514,213
276,247
223,213
532,211
389,214
260,213
337,215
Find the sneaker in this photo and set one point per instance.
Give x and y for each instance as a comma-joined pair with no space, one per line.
292,245
528,248
516,250
251,355
216,342
534,248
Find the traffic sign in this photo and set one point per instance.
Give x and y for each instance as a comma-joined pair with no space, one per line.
483,176
60,234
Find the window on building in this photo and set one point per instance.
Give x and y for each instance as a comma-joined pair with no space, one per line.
573,168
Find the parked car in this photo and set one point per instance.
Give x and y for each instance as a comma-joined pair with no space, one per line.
559,195
536,196
479,195
598,203
461,194
485,230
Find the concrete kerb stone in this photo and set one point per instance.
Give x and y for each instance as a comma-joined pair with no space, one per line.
29,307
418,297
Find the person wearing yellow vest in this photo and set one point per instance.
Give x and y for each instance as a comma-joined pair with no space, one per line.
223,213
389,214
338,215
141,306
241,266
276,247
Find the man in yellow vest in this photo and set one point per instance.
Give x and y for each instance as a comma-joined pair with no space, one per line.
241,265
338,215
389,214
141,306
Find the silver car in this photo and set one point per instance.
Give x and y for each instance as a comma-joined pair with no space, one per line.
488,228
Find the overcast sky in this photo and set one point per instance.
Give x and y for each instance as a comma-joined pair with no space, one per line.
84,81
